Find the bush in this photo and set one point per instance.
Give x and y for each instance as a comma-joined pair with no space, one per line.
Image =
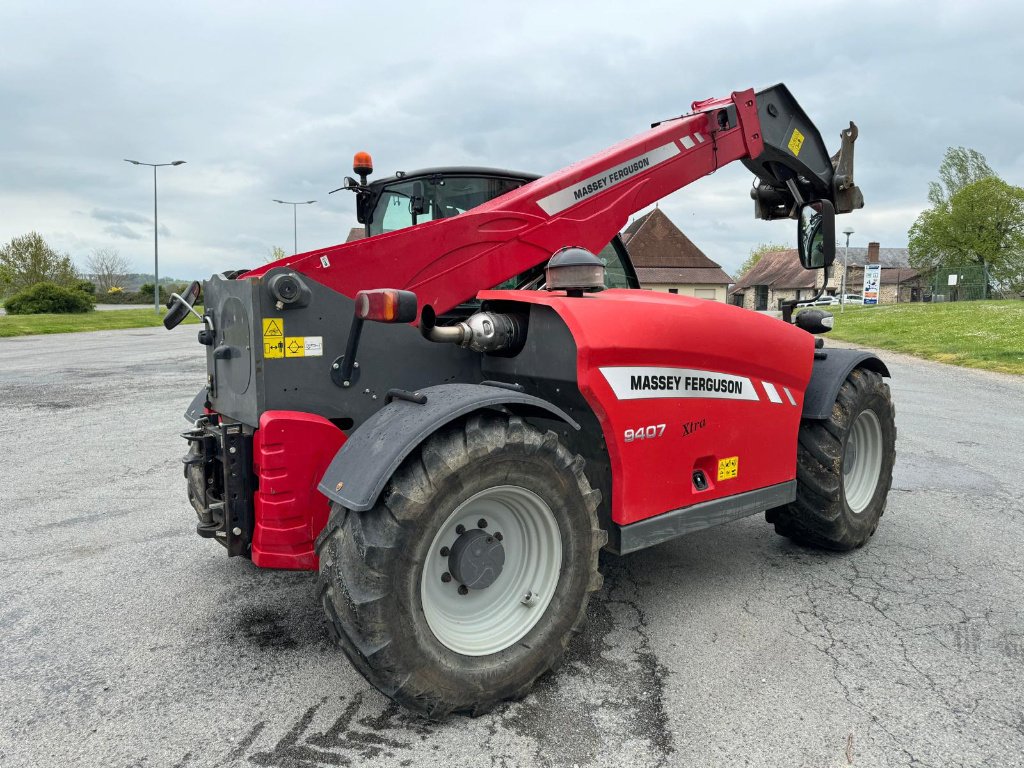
47,298
86,286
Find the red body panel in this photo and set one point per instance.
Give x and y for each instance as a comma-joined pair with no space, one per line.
291,451
448,261
637,329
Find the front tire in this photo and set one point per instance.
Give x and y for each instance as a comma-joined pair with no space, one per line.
844,468
469,577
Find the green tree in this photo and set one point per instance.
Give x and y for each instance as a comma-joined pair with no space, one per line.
976,218
960,166
28,260
277,252
756,254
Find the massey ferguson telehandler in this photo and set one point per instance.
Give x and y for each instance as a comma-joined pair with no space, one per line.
450,417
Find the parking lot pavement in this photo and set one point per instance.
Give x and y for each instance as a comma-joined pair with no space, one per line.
129,641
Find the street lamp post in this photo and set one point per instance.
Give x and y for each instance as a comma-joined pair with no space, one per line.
156,248
846,258
295,220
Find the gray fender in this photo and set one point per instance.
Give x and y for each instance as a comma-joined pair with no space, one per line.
828,376
374,451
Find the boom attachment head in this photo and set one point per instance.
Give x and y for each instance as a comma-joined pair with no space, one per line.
795,166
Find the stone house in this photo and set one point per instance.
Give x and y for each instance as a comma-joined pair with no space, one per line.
667,260
778,277
900,282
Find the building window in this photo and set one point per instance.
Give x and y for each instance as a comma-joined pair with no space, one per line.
760,297
673,290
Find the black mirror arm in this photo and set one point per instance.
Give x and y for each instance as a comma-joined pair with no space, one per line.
176,298
789,306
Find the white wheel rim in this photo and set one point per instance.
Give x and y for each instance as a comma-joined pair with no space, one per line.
485,621
862,461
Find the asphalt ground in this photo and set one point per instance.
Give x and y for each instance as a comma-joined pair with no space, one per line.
125,640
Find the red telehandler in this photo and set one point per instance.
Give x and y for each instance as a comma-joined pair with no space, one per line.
450,417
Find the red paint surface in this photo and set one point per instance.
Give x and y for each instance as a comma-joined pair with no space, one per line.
645,328
448,261
291,451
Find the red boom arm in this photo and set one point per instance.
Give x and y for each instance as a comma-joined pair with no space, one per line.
449,261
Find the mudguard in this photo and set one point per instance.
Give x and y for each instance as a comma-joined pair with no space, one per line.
828,375
373,452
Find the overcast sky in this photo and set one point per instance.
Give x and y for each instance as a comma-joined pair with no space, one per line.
270,101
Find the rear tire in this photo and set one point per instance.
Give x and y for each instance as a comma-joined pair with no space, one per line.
408,636
844,468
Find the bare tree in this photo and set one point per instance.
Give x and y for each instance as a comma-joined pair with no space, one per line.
108,267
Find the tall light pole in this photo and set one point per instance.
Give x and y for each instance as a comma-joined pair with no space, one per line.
846,258
156,248
295,220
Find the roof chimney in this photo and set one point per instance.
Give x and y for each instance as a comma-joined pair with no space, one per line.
872,253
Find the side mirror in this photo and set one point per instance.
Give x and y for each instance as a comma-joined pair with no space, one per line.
178,307
418,200
816,234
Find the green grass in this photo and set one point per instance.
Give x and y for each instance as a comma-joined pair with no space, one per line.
116,319
976,334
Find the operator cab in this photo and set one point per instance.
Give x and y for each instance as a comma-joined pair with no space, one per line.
416,197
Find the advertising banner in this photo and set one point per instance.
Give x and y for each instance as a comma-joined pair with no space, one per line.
872,278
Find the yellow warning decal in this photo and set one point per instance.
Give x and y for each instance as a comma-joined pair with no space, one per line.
795,142
273,348
295,346
273,327
728,468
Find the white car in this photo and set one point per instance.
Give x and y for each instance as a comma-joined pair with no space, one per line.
824,301
851,298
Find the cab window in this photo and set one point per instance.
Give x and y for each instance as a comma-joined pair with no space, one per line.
407,203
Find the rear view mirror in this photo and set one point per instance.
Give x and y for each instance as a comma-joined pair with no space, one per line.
178,307
418,201
816,234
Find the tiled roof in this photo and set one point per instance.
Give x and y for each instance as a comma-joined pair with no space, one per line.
887,257
779,269
356,233
654,241
684,275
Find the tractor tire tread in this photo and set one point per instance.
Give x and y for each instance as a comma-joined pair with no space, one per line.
819,516
355,549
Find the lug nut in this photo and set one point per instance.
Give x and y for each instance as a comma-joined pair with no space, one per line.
445,551
498,536
463,589
481,523
460,529
446,577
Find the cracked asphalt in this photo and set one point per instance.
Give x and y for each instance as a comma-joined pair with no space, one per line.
128,641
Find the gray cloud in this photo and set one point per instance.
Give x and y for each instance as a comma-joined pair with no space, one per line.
122,230
267,101
120,217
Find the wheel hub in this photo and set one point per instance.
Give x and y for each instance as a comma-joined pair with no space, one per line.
476,559
862,462
493,568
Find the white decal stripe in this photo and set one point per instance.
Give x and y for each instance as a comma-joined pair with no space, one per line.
789,395
641,383
582,190
700,139
687,142
771,391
